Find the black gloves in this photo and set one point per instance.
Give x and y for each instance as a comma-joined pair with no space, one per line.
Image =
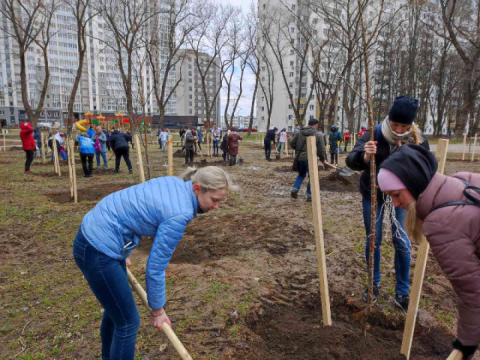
467,351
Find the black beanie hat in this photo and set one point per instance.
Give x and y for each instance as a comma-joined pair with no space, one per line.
312,122
404,110
414,165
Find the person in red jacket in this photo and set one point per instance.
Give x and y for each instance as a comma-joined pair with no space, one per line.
28,142
446,209
362,131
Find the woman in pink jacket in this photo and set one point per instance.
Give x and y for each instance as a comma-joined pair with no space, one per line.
447,210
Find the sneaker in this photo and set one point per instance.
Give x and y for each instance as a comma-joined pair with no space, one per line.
88,176
376,293
294,194
130,171
26,172
105,166
115,171
309,199
402,302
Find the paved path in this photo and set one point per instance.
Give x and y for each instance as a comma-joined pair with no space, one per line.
458,148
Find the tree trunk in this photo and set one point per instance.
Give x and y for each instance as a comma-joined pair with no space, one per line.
252,108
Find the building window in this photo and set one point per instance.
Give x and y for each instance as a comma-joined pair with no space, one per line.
292,30
290,106
263,108
293,7
291,74
290,117
291,51
311,107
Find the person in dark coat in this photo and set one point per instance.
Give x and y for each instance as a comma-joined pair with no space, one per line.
398,128
28,144
107,134
441,208
333,140
38,140
223,146
232,145
119,143
299,144
267,142
190,141
130,139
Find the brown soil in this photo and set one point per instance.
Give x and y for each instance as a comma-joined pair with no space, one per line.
339,183
90,193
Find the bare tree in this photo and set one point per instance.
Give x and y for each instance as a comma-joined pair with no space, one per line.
461,20
252,57
127,21
164,50
208,42
82,15
29,23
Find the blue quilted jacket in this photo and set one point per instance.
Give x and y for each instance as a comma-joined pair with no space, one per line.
160,208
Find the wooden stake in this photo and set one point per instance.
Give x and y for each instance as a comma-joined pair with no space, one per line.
420,266
317,220
464,146
455,355
4,142
474,145
338,153
170,155
286,145
70,169
56,162
139,158
73,173
165,327
42,144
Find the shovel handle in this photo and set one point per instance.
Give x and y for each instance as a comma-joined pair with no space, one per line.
332,166
455,355
167,330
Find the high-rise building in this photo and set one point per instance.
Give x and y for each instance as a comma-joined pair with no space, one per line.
101,89
189,93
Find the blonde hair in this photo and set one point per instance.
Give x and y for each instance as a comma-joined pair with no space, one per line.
416,134
98,128
413,224
210,178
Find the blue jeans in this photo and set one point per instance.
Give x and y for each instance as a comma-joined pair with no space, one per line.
104,157
401,245
108,280
160,143
302,174
40,149
215,146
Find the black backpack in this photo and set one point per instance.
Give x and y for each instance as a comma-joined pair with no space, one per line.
471,199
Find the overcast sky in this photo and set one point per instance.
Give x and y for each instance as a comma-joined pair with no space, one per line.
249,78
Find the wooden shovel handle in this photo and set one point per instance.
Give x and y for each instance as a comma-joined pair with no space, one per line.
165,327
455,355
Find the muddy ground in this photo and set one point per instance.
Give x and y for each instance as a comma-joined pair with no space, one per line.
242,284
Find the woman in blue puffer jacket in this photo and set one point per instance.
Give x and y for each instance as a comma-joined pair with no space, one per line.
160,208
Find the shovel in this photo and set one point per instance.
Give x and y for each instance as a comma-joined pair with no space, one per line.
165,327
240,161
342,171
203,161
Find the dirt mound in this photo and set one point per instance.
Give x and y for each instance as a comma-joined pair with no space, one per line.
306,338
180,154
92,193
338,183
467,159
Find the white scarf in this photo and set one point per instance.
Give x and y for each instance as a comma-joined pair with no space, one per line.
391,136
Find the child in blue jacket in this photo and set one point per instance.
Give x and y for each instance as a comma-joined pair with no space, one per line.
86,153
160,208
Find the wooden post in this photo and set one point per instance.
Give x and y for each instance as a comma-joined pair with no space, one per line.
165,327
4,141
286,146
317,220
170,155
455,355
474,145
141,174
420,266
71,160
56,161
338,153
464,146
42,140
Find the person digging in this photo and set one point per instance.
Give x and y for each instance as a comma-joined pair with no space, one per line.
160,208
398,128
299,144
446,209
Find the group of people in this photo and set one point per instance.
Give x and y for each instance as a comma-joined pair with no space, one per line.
93,143
444,208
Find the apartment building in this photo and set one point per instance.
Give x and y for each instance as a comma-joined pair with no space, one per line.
189,93
101,88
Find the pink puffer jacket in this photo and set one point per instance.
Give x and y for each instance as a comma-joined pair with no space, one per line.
454,236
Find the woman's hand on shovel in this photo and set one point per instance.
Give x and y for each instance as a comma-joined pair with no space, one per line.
158,317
